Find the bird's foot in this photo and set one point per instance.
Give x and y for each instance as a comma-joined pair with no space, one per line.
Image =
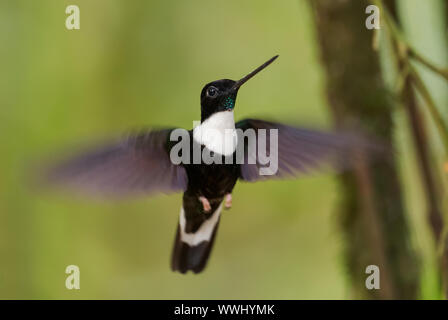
228,201
205,204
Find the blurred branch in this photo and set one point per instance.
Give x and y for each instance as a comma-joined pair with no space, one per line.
372,216
411,83
405,47
413,54
420,86
403,51
421,142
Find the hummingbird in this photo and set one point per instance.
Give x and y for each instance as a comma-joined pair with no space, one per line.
141,164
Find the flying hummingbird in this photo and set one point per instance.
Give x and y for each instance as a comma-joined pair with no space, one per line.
142,164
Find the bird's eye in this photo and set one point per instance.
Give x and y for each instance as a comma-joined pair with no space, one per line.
212,92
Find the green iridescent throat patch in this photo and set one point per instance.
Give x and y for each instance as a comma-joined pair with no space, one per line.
229,103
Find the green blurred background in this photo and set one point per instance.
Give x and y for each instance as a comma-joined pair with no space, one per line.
143,63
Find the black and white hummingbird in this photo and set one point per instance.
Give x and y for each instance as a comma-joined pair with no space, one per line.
142,164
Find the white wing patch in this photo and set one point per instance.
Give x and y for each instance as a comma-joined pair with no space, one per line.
205,231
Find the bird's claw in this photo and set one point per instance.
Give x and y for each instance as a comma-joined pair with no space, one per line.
228,201
205,204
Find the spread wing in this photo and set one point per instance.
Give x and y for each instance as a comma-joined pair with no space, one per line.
299,150
139,164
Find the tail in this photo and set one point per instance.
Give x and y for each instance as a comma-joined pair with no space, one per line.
195,235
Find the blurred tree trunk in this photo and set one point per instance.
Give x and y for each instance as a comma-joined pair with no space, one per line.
372,213
445,246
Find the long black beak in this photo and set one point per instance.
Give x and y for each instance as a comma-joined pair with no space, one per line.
240,82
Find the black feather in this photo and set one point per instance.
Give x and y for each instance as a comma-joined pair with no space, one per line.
303,150
139,164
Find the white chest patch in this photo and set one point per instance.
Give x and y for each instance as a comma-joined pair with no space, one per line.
217,133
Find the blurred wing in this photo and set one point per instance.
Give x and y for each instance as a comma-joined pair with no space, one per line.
300,150
139,164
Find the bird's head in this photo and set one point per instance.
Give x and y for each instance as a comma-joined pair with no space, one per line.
220,95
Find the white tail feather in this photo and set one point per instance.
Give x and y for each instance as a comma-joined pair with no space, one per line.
205,231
